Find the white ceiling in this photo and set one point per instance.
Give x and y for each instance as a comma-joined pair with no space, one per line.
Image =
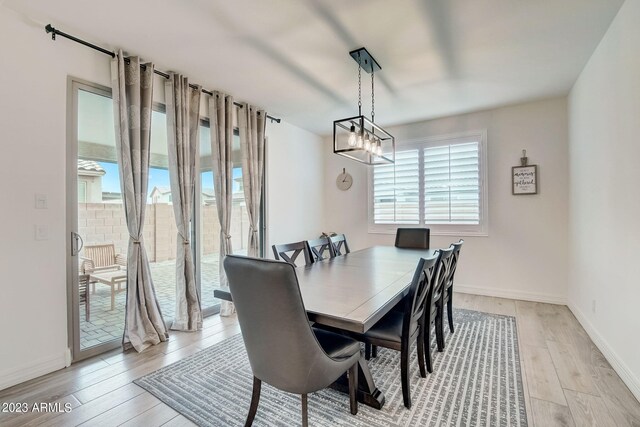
438,57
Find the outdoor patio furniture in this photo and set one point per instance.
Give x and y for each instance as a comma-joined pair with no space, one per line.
102,257
83,285
113,279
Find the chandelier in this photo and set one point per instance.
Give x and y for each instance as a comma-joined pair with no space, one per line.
360,138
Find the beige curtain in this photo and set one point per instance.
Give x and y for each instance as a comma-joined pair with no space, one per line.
132,102
221,109
252,124
183,125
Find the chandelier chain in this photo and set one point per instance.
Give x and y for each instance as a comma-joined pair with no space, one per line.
359,87
373,99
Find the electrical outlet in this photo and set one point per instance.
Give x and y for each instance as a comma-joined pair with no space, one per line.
593,306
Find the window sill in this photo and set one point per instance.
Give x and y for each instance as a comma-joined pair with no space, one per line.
434,232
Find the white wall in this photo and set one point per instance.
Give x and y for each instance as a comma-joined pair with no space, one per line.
525,254
33,108
604,218
295,165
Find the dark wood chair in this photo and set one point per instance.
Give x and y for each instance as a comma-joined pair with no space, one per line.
433,313
85,295
448,291
412,238
297,248
283,350
318,247
339,245
398,329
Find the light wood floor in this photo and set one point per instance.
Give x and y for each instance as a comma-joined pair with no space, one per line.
567,380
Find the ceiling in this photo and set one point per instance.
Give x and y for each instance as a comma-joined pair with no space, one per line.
438,57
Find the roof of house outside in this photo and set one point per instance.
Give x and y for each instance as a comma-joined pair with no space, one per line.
90,166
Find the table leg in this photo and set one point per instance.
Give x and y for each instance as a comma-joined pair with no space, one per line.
113,296
368,393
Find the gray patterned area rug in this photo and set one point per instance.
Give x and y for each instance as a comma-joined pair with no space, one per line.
475,381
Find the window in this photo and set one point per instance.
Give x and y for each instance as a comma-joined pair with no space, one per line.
438,183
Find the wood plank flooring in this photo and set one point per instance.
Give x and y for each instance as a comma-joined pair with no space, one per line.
567,380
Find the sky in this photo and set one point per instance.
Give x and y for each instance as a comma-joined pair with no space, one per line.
157,178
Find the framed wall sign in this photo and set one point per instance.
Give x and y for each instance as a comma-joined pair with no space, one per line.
525,179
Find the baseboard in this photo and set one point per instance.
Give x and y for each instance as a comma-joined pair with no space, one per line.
29,371
612,357
511,294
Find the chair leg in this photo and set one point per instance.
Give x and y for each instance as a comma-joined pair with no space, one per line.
374,351
439,330
255,399
450,310
353,388
305,411
367,351
404,373
420,343
427,348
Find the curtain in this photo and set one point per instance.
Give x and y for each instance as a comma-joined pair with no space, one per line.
183,125
132,103
221,110
252,123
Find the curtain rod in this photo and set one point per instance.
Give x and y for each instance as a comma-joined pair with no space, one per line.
49,29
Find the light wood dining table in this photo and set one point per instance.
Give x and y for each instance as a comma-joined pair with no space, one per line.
352,292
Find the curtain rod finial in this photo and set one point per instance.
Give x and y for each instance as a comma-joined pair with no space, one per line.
49,29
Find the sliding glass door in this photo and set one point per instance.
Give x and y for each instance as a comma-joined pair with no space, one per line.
98,235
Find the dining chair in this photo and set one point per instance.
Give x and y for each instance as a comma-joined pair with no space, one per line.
297,248
318,247
283,350
339,245
433,313
448,291
398,329
412,238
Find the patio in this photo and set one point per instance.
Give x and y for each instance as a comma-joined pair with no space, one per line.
107,325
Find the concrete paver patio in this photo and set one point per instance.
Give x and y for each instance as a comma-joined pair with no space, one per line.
107,325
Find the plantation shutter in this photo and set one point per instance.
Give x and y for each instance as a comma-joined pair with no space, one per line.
452,184
396,190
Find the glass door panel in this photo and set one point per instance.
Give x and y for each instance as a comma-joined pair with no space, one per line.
100,265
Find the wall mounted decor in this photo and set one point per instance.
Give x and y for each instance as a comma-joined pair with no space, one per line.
524,177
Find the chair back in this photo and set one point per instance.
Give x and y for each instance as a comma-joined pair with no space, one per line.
339,245
102,255
435,293
83,287
415,302
282,349
455,256
297,248
412,238
318,247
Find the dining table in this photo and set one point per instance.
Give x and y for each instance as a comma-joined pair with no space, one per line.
351,293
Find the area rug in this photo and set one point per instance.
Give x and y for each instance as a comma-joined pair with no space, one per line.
476,381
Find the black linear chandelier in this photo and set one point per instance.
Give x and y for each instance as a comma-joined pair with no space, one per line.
359,138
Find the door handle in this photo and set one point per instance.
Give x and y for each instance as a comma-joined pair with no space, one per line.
75,239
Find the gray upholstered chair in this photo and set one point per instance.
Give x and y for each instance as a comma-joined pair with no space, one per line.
339,245
447,294
398,329
284,351
289,252
412,238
